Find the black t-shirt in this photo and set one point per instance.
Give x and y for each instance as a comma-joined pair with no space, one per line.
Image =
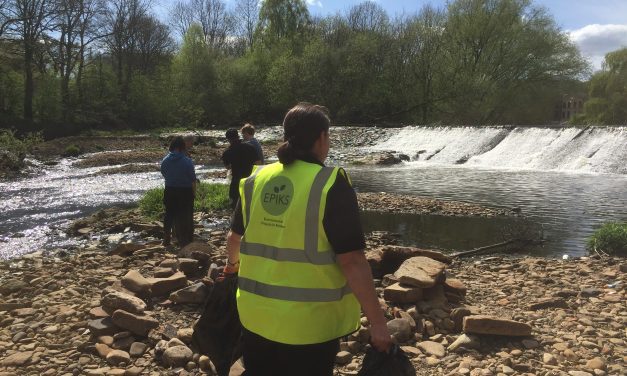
341,217
241,157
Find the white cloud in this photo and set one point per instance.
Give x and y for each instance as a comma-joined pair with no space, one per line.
316,3
596,40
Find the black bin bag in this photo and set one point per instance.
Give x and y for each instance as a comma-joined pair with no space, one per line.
394,363
218,332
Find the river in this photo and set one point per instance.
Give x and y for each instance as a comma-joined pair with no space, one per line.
566,181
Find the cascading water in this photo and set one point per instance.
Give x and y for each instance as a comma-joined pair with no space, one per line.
594,149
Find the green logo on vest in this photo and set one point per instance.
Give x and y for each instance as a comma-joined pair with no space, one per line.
277,195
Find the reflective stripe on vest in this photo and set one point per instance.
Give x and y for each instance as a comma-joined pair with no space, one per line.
293,294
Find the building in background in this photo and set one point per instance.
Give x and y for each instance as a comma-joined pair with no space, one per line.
569,106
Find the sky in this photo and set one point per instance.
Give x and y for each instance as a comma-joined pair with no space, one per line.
596,26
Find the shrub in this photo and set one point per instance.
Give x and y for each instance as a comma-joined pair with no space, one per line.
209,197
19,146
72,151
611,238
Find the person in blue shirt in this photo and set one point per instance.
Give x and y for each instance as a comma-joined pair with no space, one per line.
180,185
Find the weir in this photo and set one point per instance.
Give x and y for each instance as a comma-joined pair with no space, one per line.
590,150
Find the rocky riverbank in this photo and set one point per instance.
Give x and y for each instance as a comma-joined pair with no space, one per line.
124,305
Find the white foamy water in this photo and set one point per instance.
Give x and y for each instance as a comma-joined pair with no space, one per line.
594,150
35,210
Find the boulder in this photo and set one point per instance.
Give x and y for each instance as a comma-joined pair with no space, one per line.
190,267
17,359
102,327
388,259
195,247
115,300
194,294
118,357
138,349
137,324
491,325
103,350
432,348
135,282
400,329
177,356
126,249
455,286
185,335
343,357
12,285
160,272
398,293
164,286
548,303
420,271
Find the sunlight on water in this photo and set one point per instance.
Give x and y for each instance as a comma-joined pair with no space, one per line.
35,210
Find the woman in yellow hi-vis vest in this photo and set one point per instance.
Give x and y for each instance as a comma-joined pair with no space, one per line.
297,243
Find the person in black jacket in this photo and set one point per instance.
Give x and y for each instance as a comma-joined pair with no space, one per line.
239,158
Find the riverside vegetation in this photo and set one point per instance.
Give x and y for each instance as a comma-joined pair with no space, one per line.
113,64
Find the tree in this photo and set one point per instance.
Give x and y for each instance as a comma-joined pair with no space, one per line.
123,21
494,49
279,19
182,17
215,20
76,23
368,16
154,43
608,91
29,21
247,15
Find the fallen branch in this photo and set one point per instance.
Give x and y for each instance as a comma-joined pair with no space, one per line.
481,249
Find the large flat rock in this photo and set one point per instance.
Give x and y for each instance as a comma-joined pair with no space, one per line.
420,272
164,286
135,282
115,300
387,259
137,324
491,325
398,293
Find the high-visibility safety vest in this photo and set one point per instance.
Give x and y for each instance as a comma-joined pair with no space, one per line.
291,289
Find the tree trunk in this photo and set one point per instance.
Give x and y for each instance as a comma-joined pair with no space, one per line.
29,86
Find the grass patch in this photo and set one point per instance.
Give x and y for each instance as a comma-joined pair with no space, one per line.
72,151
611,238
209,197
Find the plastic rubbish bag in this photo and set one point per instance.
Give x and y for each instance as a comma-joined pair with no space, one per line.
394,363
218,332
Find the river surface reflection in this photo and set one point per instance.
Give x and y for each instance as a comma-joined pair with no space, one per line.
568,207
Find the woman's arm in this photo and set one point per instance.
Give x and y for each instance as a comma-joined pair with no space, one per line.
233,241
357,271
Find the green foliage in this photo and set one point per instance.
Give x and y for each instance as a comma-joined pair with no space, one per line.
472,61
608,92
209,197
19,146
72,151
611,238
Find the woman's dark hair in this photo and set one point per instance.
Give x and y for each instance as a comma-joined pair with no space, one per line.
177,143
302,127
